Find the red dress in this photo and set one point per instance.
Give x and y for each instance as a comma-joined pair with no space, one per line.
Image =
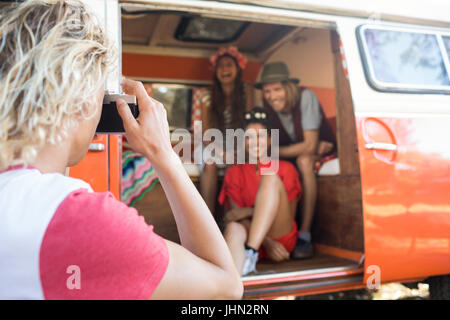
241,185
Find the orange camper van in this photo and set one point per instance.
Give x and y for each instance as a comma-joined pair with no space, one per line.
383,79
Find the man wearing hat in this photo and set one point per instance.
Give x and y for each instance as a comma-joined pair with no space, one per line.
304,137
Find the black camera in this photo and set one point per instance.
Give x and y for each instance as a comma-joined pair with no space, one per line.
110,120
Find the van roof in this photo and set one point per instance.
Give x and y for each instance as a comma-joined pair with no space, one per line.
409,11
429,12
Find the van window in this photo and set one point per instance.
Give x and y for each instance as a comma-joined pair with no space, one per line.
177,99
404,60
446,41
209,30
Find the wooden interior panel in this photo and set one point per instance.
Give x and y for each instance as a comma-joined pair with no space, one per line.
338,219
155,209
345,117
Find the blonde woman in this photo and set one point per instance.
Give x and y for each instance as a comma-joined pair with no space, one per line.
58,238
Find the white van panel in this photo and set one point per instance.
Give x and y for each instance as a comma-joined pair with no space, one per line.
366,99
108,13
431,10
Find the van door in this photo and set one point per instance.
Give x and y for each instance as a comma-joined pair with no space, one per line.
399,78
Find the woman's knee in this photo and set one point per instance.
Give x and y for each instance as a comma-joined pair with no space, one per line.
235,231
305,162
209,171
271,181
273,185
210,167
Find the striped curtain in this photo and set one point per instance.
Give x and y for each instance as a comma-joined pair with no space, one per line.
138,177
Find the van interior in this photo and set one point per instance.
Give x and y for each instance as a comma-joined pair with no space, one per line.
169,52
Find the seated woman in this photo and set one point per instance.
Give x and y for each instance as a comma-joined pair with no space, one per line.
260,213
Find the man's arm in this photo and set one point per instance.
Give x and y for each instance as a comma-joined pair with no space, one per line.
307,146
311,119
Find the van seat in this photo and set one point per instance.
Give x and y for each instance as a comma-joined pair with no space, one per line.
330,168
192,170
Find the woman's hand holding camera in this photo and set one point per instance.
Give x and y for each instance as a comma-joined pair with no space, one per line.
148,134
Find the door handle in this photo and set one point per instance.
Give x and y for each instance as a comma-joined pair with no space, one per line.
381,146
97,147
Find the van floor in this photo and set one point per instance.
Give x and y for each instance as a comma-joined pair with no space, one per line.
320,262
155,208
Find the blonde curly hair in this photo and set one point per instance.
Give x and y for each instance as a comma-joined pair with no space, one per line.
54,59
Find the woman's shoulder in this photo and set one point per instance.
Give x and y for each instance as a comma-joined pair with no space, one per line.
205,96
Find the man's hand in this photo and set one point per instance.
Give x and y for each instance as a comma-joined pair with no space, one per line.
324,147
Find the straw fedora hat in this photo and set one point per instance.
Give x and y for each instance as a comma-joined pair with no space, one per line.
275,72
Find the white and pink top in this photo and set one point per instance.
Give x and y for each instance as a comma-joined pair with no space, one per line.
54,228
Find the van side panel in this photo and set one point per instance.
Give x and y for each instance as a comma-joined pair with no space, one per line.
102,167
94,167
405,193
405,173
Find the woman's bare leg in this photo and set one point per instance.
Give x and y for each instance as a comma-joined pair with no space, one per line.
235,236
208,185
271,215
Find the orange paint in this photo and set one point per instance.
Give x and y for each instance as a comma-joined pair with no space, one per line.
102,169
342,253
327,99
136,65
405,193
93,169
115,165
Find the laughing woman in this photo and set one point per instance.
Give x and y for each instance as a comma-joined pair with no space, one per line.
223,107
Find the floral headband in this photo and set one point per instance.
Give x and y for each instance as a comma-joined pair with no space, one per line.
231,51
257,115
260,115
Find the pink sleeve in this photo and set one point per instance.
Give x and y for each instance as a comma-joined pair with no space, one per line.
98,243
231,188
291,181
